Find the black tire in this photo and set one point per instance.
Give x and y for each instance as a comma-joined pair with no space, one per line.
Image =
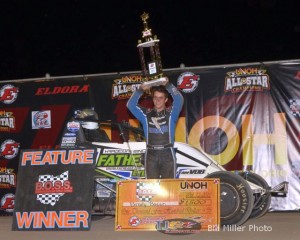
261,202
236,198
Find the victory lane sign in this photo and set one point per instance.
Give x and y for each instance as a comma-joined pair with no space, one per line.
54,190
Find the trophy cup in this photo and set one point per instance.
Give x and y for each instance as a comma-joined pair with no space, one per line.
152,73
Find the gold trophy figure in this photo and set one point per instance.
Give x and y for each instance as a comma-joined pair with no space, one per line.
152,73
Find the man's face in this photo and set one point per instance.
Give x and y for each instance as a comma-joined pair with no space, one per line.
159,100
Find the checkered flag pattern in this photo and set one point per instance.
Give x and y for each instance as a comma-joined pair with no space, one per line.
140,186
51,198
295,107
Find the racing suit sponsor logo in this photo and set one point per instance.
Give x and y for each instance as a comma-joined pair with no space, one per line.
9,149
41,119
188,82
7,121
247,79
8,94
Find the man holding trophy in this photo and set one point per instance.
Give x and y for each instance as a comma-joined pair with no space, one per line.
160,121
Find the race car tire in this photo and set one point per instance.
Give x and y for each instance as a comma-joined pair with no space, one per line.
261,203
236,198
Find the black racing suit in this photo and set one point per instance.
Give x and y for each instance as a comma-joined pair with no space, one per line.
159,129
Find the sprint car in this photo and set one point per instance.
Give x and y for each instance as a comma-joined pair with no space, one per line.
244,195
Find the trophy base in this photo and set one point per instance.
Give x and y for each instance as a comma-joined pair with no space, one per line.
156,82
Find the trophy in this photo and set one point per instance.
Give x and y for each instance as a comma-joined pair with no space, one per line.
149,54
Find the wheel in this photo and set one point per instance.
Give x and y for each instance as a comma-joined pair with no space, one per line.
261,202
236,198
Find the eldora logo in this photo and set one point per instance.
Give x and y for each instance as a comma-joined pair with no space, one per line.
8,93
188,82
9,149
8,202
62,90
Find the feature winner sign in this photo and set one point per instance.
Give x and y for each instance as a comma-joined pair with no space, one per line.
168,205
54,190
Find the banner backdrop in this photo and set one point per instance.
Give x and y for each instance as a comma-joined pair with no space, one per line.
245,116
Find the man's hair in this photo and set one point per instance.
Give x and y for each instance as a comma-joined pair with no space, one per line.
161,89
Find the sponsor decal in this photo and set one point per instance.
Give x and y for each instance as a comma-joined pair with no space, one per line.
7,178
124,87
8,94
73,126
9,149
295,107
62,90
50,189
41,119
8,202
121,162
247,79
70,134
152,68
186,171
188,82
7,121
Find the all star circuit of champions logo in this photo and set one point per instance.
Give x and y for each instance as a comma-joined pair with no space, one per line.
7,121
247,79
124,87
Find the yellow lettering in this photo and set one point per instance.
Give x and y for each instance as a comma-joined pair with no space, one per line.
278,138
217,122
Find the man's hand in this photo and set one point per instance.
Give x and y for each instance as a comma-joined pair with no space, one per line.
144,87
166,81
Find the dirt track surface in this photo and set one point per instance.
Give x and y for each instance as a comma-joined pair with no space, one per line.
273,226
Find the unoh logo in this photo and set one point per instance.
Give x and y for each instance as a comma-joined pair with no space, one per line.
8,93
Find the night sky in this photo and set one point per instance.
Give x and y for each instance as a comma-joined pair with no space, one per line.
89,37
